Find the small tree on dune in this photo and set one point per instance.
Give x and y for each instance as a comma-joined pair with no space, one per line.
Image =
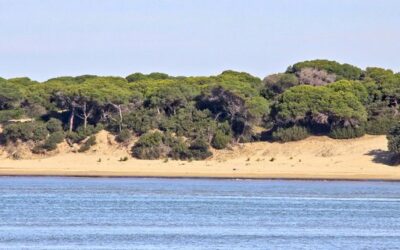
394,142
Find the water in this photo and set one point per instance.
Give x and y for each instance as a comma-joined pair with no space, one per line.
84,213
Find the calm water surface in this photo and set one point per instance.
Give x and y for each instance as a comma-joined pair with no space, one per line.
84,213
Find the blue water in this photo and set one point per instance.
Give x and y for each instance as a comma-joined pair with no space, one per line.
84,213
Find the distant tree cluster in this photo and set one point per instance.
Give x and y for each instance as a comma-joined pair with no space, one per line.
182,117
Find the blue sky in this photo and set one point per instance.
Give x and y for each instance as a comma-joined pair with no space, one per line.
47,38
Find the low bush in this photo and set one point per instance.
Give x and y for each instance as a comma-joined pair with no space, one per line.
220,140
124,136
81,133
199,149
157,145
51,142
393,137
347,132
141,121
294,133
54,125
380,125
6,115
25,131
150,146
39,132
179,150
125,158
91,141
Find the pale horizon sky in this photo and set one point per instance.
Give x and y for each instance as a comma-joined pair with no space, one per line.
42,39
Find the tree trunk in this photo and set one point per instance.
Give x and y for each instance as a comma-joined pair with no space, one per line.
71,119
395,107
85,116
120,117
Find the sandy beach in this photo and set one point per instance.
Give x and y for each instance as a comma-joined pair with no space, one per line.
314,158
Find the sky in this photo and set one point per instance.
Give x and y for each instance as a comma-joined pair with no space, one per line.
47,38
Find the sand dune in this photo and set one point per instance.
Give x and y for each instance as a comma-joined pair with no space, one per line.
313,158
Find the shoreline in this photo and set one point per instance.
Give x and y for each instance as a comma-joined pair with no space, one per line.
315,158
200,178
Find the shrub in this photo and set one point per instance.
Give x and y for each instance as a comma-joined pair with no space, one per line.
347,132
39,132
123,136
6,115
149,146
141,121
125,158
81,134
179,150
294,133
394,139
52,141
220,140
25,131
157,145
199,149
38,149
380,125
88,143
54,125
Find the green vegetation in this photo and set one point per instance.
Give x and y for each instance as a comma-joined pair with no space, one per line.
181,117
91,141
393,137
221,140
124,136
295,133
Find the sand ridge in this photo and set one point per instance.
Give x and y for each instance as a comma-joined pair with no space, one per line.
313,158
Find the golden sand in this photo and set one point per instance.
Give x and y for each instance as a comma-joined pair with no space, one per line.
313,158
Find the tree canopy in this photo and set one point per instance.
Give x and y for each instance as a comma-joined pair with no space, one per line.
192,113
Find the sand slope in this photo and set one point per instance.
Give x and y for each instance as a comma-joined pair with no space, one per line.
313,158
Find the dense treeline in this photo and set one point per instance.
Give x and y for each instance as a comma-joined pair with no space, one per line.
182,117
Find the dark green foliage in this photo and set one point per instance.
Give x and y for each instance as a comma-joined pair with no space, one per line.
277,83
193,112
358,89
50,143
125,158
136,77
91,141
25,131
54,125
150,146
81,133
152,76
6,115
294,133
124,136
221,140
141,121
394,139
380,125
157,145
191,123
226,106
179,150
344,71
56,137
381,117
39,132
230,75
199,149
379,75
318,105
347,132
10,96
